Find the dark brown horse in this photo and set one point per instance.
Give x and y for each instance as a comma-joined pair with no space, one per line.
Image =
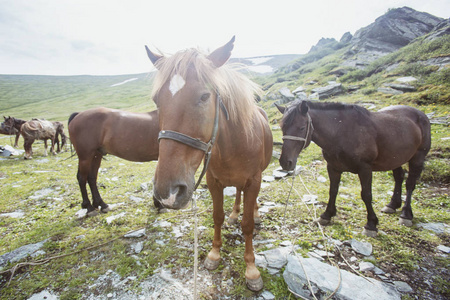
100,131
356,140
207,107
7,128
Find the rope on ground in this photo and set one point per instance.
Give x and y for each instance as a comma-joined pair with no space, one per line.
46,260
323,235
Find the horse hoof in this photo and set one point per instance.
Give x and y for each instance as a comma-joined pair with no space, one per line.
92,213
388,210
255,285
105,210
257,221
232,221
211,264
405,222
321,221
370,233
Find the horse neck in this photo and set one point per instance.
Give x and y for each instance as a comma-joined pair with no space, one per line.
18,123
325,128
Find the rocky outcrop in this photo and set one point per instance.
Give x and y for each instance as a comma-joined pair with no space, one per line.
328,91
395,29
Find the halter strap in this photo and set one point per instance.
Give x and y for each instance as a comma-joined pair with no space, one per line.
197,143
301,139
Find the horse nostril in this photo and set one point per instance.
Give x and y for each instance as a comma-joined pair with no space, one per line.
181,190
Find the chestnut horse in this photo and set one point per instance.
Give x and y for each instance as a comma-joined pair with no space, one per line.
208,109
356,140
100,131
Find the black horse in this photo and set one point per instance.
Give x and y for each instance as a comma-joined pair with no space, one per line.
356,140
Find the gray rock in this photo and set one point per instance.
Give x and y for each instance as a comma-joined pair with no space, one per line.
438,228
266,295
326,279
44,295
390,91
403,287
136,234
276,258
366,266
20,253
298,90
364,248
406,79
137,248
443,248
402,87
328,91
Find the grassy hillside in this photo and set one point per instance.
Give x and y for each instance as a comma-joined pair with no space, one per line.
56,97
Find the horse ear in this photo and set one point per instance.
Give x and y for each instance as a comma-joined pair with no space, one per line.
220,56
304,107
280,108
153,57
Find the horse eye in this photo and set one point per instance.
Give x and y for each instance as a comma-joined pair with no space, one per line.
205,96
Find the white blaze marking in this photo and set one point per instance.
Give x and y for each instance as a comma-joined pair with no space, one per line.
176,84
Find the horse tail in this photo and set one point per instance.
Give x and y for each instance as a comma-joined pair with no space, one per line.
73,115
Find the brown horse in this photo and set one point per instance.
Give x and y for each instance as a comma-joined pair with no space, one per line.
36,129
199,100
100,131
356,140
7,128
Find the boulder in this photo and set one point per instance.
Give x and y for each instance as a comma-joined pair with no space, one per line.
328,91
401,87
388,90
325,279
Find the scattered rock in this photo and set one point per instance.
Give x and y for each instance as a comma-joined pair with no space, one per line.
44,295
229,191
364,248
438,228
136,234
110,219
443,248
388,90
328,91
403,287
366,266
20,253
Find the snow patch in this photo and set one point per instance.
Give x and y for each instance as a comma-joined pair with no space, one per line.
123,82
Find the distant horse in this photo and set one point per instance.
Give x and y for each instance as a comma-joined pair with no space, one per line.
36,129
356,140
195,95
100,131
12,130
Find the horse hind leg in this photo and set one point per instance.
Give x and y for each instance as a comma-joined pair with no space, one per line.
82,180
92,180
415,169
370,229
330,211
396,200
233,218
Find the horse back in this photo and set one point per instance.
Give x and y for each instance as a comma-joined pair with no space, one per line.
38,129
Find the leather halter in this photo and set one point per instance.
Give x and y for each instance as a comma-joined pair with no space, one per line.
197,143
310,127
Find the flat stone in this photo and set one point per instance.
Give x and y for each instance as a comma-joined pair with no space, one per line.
403,287
110,219
268,178
388,90
266,295
136,234
366,266
443,248
20,253
364,248
326,278
438,228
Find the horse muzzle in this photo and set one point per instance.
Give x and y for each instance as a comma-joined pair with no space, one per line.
287,163
176,196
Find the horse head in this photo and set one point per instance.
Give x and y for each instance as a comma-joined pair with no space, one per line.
297,128
187,102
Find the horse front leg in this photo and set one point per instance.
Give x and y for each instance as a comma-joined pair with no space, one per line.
28,149
252,274
365,177
16,142
330,211
396,200
216,189
52,147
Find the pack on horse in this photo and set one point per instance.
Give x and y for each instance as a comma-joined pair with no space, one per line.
38,129
100,131
208,109
356,140
11,126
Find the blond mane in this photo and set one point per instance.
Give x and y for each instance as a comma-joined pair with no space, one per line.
236,90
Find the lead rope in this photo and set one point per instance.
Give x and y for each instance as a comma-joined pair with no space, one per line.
195,209
294,239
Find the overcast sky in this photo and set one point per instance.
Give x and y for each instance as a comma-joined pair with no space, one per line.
107,37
